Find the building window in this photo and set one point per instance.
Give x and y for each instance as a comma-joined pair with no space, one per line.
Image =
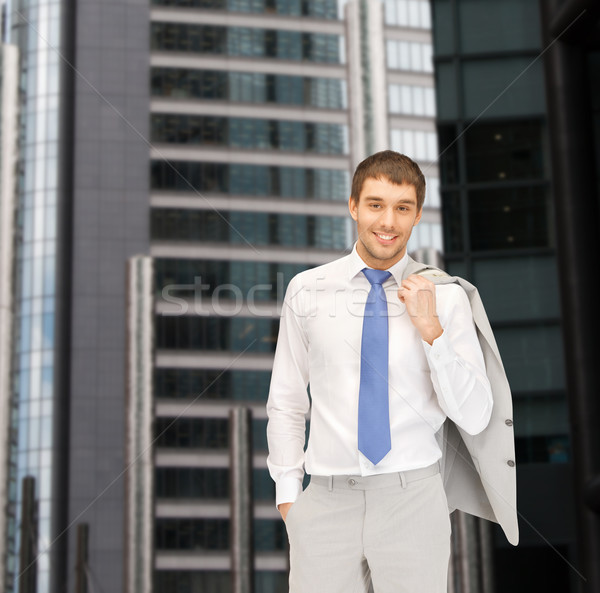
426,235
249,87
510,218
217,334
211,384
251,180
250,133
183,277
322,9
407,99
409,55
192,534
418,145
504,151
408,13
246,42
256,228
206,483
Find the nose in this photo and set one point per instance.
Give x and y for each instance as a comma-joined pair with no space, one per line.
388,220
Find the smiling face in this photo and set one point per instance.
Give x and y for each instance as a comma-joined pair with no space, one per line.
385,215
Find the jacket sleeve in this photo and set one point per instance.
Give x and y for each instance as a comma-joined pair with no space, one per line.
288,402
456,363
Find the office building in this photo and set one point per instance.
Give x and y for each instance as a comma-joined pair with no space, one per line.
502,201
179,161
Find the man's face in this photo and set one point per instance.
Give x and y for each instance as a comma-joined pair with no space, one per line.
385,216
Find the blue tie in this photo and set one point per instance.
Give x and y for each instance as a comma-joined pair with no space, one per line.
374,439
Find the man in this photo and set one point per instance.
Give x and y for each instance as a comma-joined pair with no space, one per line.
389,358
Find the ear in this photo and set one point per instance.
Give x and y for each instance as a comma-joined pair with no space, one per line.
418,217
353,207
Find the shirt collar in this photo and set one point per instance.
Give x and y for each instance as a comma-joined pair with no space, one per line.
356,265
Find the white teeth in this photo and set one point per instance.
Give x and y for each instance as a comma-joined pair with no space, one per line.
385,237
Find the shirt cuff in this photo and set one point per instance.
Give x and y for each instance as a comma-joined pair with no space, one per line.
287,490
440,353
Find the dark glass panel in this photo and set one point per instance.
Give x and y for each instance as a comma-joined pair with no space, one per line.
244,41
249,133
246,87
187,482
510,218
518,288
502,87
191,433
532,357
446,81
504,151
192,534
490,26
542,449
443,27
452,217
256,228
448,145
185,581
224,334
324,9
203,433
211,384
269,536
253,180
186,277
207,483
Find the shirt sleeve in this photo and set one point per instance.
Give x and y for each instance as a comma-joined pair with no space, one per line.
288,402
456,363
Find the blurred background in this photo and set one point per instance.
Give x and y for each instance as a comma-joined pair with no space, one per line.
166,167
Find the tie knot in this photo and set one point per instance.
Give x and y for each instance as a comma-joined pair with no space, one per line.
376,276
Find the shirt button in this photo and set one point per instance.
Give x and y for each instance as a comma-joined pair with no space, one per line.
508,422
511,463
352,482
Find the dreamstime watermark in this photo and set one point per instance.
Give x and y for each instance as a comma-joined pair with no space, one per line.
318,298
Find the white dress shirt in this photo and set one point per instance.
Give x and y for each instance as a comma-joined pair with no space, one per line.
319,345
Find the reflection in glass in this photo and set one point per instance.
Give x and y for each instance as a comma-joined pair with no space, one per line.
504,151
256,228
251,180
249,87
211,384
249,133
510,218
183,277
245,41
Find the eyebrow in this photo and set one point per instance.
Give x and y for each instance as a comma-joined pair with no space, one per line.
400,201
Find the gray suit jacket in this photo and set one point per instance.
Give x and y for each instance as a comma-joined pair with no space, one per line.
479,471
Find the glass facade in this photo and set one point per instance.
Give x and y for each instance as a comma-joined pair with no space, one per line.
226,283
256,228
249,87
211,384
322,9
406,99
409,55
499,233
34,346
247,42
185,277
251,180
415,14
422,146
250,133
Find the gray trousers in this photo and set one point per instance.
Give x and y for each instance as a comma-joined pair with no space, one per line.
391,529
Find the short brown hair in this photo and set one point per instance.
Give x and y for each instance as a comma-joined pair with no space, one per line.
396,167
